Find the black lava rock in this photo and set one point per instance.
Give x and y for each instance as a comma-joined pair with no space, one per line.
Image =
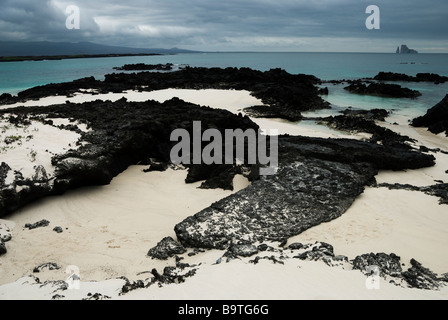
48,265
157,166
165,249
438,190
295,246
143,66
317,180
420,77
6,98
323,91
123,134
242,250
420,277
126,133
215,176
285,94
39,224
435,119
382,90
30,189
2,247
365,122
374,114
5,233
276,207
172,275
58,229
388,264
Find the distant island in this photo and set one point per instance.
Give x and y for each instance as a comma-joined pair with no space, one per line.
46,50
78,56
404,49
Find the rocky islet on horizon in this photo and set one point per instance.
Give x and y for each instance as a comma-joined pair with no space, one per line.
404,49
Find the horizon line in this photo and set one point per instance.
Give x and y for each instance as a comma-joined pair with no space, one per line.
253,51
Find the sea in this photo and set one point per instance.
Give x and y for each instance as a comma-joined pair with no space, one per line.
18,76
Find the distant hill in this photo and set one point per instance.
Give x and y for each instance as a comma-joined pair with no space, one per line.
46,48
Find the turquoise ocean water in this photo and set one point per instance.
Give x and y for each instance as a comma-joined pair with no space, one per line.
17,76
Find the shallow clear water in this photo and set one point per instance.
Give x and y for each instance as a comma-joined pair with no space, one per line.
431,95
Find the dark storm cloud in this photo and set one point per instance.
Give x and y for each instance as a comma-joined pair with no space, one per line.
220,25
38,20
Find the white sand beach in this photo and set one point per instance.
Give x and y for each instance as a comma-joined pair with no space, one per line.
108,230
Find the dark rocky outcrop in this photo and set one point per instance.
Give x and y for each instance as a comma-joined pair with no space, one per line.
5,233
265,111
241,250
48,265
295,246
21,191
60,89
215,176
352,151
2,247
39,224
435,119
420,77
144,66
270,258
438,190
165,249
404,49
365,121
58,229
373,114
382,90
170,275
323,91
388,264
387,267
420,277
277,207
130,286
155,165
319,251
6,98
5,236
96,296
123,134
285,94
317,181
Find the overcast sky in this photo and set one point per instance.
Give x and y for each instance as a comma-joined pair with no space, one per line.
233,25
